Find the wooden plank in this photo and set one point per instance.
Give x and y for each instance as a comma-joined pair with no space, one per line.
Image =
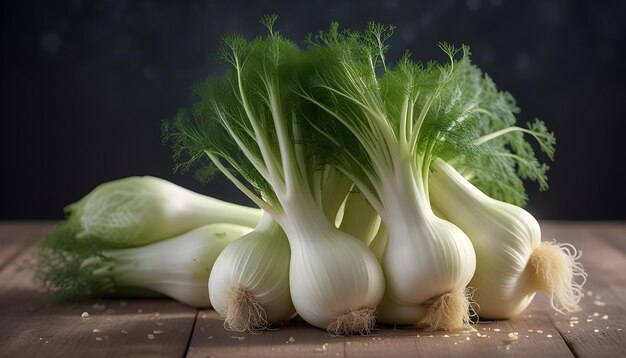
210,339
294,339
33,326
16,236
598,329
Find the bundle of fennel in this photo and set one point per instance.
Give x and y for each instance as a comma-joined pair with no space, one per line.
387,192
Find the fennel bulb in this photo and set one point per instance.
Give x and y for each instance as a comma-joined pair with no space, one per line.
136,211
249,125
512,262
178,267
387,129
249,283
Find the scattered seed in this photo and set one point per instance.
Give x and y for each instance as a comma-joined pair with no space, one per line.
85,315
124,331
573,318
158,332
596,314
531,330
599,303
496,329
150,336
589,293
325,346
467,338
606,316
98,338
445,335
539,331
238,337
549,336
291,339
596,330
589,320
204,316
96,330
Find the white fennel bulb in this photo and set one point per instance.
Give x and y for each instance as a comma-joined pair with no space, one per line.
336,281
136,211
394,121
178,267
512,262
250,126
249,283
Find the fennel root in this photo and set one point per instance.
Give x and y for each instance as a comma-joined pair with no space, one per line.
450,311
555,268
243,313
360,321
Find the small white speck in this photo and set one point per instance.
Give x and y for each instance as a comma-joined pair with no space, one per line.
96,330
124,331
599,303
596,330
150,336
241,338
549,336
291,339
445,335
539,331
496,329
606,316
158,332
325,346
98,338
573,318
589,320
204,316
619,329
531,330
467,338
85,315
596,314
589,293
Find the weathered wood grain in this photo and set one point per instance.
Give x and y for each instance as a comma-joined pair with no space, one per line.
32,326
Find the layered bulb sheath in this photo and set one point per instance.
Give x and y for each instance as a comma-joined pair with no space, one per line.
178,267
249,283
427,261
512,262
335,280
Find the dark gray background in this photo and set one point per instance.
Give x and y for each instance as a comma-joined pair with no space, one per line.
85,85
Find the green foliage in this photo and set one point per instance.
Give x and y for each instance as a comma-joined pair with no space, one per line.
354,110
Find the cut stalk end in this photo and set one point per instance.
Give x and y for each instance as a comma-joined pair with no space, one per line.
243,313
450,311
557,272
355,322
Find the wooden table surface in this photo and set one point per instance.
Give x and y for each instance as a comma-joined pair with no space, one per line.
31,326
